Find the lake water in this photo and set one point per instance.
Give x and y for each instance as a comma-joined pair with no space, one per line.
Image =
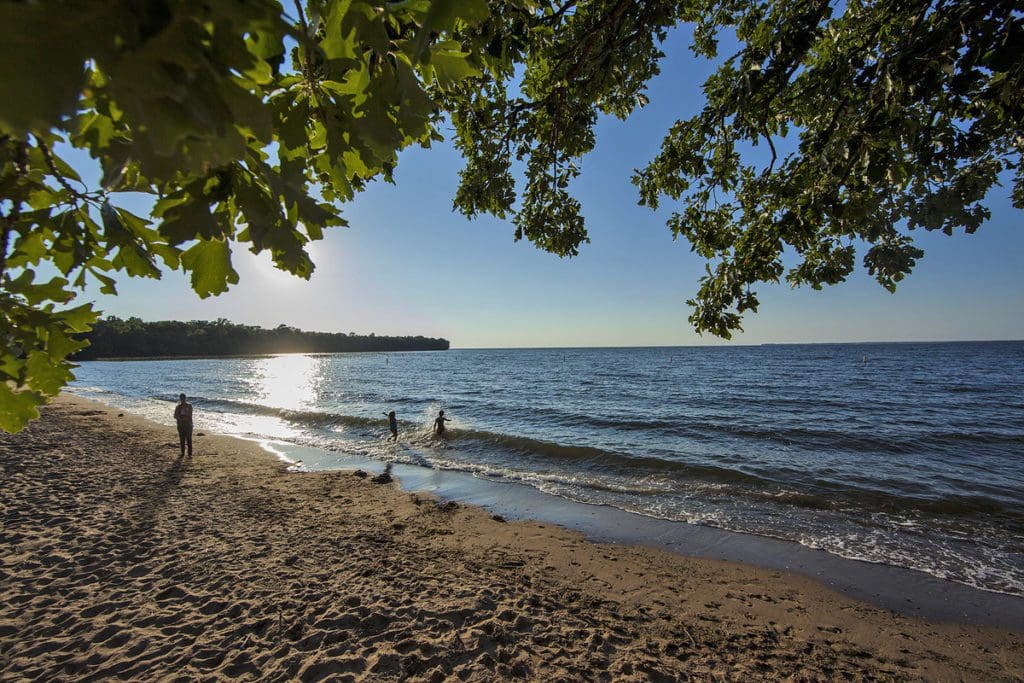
905,454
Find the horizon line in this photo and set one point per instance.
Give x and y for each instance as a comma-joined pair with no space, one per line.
726,344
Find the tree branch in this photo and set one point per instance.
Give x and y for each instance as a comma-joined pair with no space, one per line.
768,137
9,221
5,238
303,51
57,174
587,38
556,17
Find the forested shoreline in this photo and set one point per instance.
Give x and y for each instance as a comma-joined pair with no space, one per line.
113,337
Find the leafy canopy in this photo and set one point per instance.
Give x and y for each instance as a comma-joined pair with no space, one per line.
250,122
899,114
232,115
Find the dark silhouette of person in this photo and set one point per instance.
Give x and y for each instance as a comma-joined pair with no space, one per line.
393,425
183,416
439,428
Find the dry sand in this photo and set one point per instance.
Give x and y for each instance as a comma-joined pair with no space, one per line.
120,561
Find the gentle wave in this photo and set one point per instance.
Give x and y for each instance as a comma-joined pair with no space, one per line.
595,460
313,418
793,435
878,501
856,441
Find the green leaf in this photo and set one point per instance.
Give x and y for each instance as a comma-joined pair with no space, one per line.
443,16
107,284
451,64
45,374
190,219
28,250
44,82
209,263
60,345
131,256
17,408
53,290
97,129
268,45
77,319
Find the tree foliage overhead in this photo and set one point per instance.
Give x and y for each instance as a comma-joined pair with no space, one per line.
232,115
904,114
872,118
250,123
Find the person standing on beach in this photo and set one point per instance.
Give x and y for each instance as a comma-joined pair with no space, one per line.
183,416
439,428
393,425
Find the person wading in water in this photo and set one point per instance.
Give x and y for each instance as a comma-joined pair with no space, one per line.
183,416
439,427
393,425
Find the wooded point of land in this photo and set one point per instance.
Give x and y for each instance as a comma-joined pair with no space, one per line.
133,338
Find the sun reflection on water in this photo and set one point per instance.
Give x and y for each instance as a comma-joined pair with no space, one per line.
289,381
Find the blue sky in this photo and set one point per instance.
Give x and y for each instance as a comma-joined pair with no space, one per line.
409,265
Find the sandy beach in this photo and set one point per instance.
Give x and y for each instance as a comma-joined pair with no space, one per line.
119,560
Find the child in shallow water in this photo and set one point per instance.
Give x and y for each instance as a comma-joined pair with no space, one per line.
393,425
439,427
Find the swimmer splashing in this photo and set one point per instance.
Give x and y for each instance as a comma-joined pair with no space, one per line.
439,428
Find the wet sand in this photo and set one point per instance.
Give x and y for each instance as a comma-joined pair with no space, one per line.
118,560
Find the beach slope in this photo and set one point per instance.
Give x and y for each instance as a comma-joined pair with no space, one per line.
118,559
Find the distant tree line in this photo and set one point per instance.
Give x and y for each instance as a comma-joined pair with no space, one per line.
116,338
